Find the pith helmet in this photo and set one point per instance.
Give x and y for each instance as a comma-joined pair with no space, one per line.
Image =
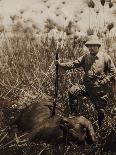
93,40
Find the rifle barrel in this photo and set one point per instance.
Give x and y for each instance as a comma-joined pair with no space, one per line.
56,86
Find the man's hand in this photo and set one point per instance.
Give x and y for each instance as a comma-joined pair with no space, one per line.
104,81
56,62
101,82
96,84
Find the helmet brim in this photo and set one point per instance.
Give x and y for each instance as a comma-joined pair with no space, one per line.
92,44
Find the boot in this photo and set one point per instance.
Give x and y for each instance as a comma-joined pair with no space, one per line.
73,107
101,117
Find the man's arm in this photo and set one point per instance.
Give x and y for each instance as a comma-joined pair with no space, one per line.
110,70
74,64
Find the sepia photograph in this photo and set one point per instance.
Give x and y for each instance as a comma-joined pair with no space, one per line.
57,77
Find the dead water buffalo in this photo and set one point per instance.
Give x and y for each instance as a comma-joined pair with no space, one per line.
37,120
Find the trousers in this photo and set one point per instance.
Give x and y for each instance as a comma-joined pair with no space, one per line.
98,96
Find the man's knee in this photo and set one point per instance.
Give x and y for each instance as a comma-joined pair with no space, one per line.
74,90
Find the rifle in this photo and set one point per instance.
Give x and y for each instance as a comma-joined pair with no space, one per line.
56,83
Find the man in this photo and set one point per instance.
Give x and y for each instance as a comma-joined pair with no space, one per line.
99,72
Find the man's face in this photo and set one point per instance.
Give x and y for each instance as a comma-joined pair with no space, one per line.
93,49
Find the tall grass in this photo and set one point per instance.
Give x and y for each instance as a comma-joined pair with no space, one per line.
28,61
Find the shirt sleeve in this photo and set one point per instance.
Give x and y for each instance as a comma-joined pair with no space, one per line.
74,64
111,69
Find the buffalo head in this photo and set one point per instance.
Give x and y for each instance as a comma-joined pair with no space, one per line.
78,130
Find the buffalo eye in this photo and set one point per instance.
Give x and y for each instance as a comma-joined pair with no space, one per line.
65,124
83,128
